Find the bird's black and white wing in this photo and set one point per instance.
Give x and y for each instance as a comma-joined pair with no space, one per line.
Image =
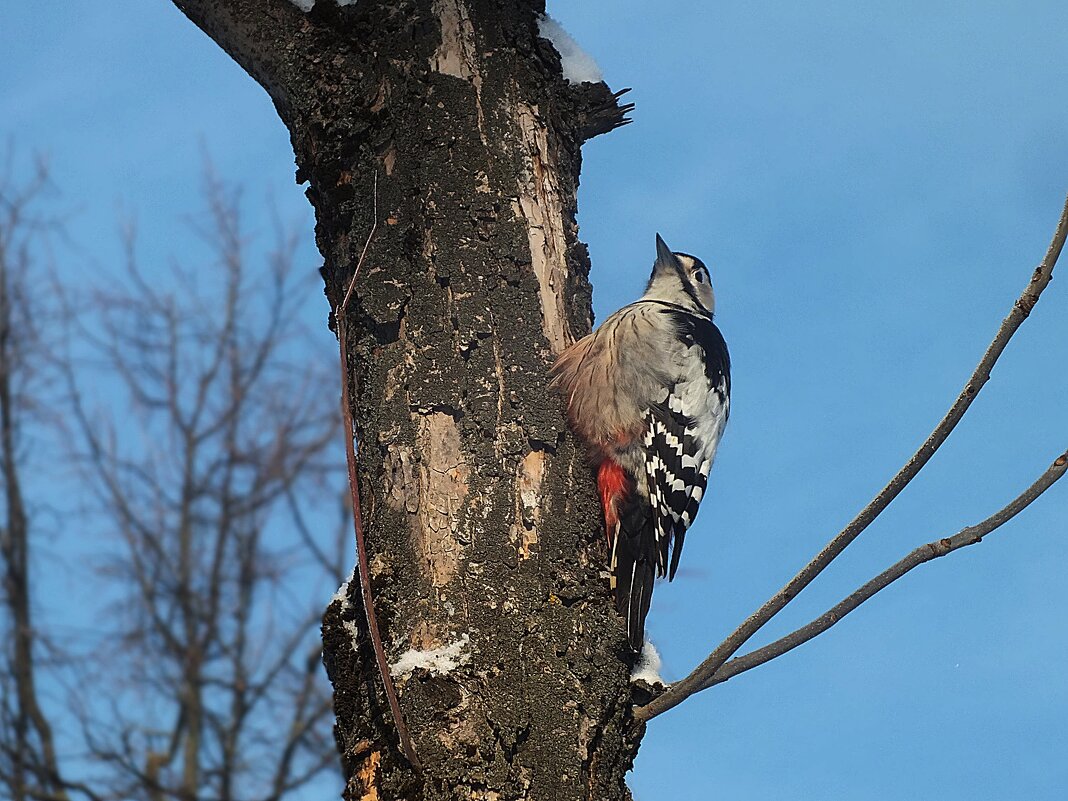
681,437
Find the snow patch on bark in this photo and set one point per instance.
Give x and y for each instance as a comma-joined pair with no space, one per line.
308,5
342,593
648,667
354,633
437,661
578,66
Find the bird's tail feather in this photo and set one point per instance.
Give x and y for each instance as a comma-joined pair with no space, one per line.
634,560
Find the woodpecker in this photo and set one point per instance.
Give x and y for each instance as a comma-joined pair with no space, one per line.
649,392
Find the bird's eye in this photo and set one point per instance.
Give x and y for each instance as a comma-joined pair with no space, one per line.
700,276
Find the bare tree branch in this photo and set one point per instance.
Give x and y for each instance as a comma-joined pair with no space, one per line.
266,37
54,787
925,553
704,673
26,738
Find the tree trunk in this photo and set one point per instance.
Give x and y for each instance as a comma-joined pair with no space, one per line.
483,532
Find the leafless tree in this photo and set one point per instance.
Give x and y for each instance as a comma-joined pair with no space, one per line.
210,451
28,762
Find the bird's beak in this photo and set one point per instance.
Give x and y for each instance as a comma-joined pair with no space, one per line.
664,256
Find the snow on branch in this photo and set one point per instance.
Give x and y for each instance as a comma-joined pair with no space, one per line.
308,5
578,65
648,667
342,593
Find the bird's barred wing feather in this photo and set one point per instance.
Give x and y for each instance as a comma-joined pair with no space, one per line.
681,442
676,469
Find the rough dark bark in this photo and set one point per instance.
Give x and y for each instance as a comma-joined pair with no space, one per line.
482,527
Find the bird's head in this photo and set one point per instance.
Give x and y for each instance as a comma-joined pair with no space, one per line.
681,279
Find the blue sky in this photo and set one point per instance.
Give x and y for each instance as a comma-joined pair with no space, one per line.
871,185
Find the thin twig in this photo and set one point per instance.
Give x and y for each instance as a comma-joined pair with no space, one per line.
357,517
925,553
703,673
